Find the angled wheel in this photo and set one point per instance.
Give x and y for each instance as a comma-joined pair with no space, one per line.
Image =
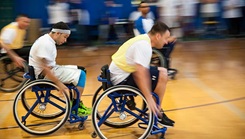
128,99
96,95
111,109
28,100
11,77
40,109
158,59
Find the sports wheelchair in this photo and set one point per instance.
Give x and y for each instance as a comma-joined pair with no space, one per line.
159,60
40,109
123,108
11,76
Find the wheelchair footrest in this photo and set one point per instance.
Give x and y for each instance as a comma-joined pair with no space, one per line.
141,125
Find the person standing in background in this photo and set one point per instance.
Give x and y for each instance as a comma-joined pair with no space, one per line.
112,17
187,15
233,15
169,13
58,11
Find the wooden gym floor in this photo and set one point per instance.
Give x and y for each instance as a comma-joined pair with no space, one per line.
207,98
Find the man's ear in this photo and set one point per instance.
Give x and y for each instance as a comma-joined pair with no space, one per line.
158,36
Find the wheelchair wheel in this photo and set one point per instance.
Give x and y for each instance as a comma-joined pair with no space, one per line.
11,77
111,109
28,102
158,59
40,109
140,104
98,92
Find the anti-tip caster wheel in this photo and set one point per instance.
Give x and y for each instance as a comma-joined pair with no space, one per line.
94,135
172,77
81,126
162,136
172,73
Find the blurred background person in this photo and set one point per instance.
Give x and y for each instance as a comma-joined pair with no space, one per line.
169,13
80,21
243,18
187,13
134,15
112,18
209,10
13,36
233,16
14,57
58,11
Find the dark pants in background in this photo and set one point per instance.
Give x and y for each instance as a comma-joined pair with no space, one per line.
166,51
23,52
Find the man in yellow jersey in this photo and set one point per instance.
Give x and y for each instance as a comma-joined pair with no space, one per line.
13,35
18,60
131,66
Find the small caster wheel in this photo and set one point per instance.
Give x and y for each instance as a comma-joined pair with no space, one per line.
161,137
172,77
81,126
94,135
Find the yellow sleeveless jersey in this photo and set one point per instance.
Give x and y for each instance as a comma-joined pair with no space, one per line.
119,58
18,40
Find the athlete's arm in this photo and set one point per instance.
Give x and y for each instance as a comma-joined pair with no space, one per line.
18,60
47,72
143,81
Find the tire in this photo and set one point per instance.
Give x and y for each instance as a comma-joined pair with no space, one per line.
98,93
158,59
11,77
40,116
27,105
113,101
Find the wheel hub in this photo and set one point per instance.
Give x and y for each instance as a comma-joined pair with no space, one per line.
42,107
122,116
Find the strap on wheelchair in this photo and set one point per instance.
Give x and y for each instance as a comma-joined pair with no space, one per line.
31,72
105,74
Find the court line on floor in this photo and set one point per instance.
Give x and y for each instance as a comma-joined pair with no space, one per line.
214,94
207,104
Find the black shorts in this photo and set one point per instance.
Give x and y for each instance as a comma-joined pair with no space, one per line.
154,72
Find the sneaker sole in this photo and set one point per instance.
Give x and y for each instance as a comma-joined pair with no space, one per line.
169,126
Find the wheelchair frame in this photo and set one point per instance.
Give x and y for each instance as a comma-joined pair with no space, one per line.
11,72
160,61
119,105
42,90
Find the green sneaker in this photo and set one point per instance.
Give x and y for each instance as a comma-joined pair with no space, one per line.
83,110
82,106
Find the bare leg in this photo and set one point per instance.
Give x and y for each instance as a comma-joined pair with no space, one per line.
160,90
161,84
80,89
